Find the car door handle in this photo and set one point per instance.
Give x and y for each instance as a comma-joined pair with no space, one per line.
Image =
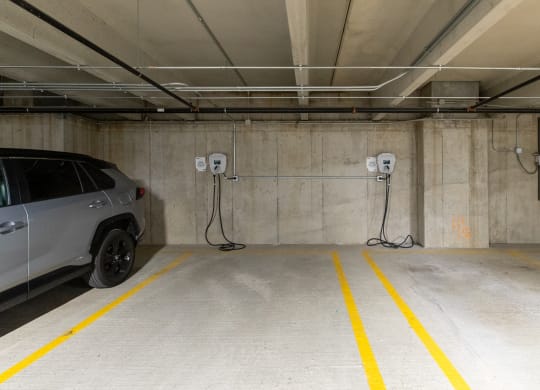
97,204
11,226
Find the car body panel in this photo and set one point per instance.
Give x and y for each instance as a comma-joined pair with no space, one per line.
123,198
13,247
61,230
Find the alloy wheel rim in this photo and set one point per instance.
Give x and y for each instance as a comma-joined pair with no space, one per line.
117,258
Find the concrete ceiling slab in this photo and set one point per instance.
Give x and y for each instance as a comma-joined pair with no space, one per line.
327,27
256,33
512,42
375,32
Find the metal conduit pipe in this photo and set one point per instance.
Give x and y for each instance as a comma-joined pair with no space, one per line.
268,110
291,97
79,38
378,178
185,88
291,67
505,92
143,88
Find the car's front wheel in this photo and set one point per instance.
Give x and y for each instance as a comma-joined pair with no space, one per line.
114,260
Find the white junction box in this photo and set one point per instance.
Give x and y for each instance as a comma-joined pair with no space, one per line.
200,164
218,163
371,164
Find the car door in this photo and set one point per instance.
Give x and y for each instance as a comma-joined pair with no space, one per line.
13,242
63,215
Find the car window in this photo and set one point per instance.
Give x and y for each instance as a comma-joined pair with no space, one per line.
87,183
102,180
4,194
49,179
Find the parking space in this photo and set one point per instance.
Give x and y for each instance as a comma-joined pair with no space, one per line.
294,317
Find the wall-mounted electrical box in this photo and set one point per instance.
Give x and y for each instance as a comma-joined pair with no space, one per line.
386,162
371,164
200,164
218,163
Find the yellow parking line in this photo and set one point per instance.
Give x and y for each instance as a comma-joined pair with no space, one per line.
438,355
33,357
270,251
523,257
371,368
439,251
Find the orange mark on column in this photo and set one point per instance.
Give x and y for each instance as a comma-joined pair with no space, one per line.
460,227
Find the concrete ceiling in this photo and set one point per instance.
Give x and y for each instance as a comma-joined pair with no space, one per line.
490,33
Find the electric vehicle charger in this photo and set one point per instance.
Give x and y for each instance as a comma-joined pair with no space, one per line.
216,209
383,240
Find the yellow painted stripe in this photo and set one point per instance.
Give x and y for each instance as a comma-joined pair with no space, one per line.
523,257
33,357
428,251
371,368
438,355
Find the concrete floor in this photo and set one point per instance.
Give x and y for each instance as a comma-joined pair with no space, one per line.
274,317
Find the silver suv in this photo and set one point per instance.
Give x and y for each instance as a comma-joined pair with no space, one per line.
62,216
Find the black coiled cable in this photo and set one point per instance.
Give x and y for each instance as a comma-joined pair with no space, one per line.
216,201
382,240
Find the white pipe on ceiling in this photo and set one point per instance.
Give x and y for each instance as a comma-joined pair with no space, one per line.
181,87
292,67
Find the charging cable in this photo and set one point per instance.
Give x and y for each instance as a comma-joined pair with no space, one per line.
216,210
518,152
383,240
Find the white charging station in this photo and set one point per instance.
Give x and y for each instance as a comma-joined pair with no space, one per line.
386,162
218,163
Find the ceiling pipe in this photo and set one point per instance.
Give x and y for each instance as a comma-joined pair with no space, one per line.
120,87
79,38
291,67
284,97
267,110
503,93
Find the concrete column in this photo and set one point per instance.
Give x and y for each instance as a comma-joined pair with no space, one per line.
453,183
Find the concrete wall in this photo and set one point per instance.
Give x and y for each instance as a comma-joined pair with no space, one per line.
513,201
53,132
465,187
267,210
453,183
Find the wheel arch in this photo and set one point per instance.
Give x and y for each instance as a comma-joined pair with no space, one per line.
126,222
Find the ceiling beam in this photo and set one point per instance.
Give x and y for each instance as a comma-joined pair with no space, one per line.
297,16
464,31
98,49
15,52
21,25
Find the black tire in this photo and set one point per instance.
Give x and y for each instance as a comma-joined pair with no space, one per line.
114,260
